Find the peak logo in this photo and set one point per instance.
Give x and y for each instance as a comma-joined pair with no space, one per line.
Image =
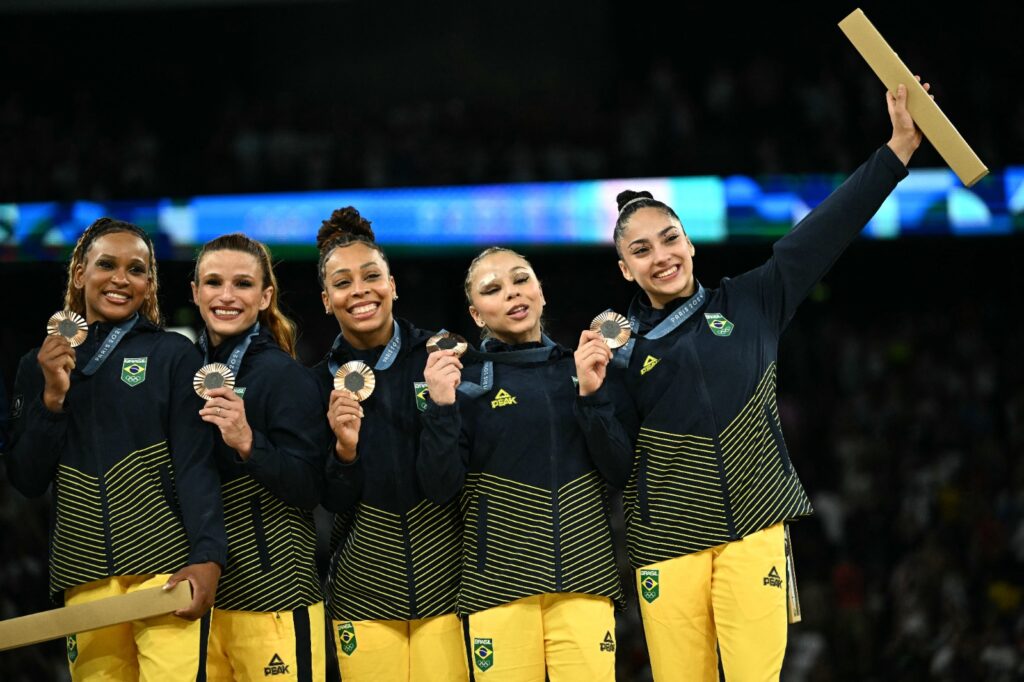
275,667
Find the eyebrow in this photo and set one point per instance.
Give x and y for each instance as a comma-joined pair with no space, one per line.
662,233
113,257
361,267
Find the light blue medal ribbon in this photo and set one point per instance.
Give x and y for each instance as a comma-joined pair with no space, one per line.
387,356
113,339
234,362
664,328
513,357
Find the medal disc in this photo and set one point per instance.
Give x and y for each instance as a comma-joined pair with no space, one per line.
209,377
614,328
70,325
447,341
355,377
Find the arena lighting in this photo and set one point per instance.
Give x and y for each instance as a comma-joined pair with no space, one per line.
713,210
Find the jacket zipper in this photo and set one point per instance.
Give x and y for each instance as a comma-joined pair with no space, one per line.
719,459
555,523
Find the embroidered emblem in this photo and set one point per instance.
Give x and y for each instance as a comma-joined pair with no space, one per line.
718,324
773,579
347,635
649,364
503,399
483,653
649,587
421,391
133,371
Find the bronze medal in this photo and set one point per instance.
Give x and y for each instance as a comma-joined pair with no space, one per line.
614,328
447,341
355,377
70,325
211,376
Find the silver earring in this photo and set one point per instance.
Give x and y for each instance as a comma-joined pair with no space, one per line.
395,297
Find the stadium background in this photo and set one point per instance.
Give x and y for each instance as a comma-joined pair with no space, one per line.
901,387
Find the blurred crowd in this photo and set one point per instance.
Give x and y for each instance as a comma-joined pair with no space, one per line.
760,116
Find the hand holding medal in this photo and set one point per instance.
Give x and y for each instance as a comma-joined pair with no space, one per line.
353,383
607,331
443,372
215,384
65,330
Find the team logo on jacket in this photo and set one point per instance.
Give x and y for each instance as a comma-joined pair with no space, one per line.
347,637
275,667
503,399
420,389
773,579
483,653
239,391
133,370
649,364
72,647
649,588
718,324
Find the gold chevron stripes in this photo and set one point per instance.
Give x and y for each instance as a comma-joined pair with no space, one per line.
146,535
78,549
370,575
509,547
271,551
675,502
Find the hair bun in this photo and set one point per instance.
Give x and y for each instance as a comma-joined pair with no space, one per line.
626,196
344,221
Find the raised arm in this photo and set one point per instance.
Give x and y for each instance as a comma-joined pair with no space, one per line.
802,257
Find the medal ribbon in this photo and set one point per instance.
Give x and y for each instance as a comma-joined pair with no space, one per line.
387,356
665,327
513,357
234,362
113,339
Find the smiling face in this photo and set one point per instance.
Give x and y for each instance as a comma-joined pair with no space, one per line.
358,291
230,293
506,297
657,255
115,276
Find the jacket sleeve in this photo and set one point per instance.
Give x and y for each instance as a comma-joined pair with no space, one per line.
802,257
444,452
287,454
197,481
343,482
38,437
610,424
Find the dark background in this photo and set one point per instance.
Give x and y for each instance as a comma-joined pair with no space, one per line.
900,386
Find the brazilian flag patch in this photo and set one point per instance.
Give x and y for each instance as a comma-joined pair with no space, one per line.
421,391
72,647
483,653
133,371
718,324
347,636
649,587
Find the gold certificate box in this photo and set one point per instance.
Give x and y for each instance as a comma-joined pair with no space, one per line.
70,620
926,113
